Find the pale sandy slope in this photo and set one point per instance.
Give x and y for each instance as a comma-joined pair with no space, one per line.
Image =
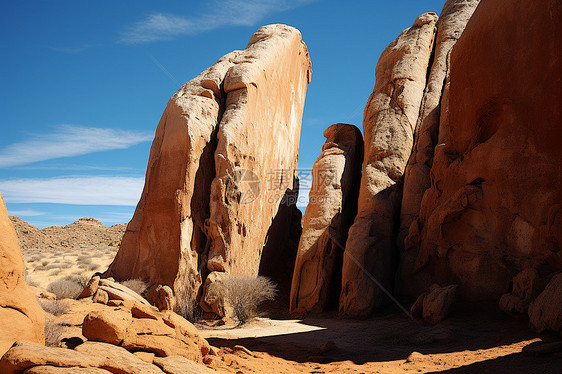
78,249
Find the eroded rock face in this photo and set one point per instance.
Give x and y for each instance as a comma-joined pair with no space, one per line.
259,132
389,122
329,214
21,317
494,206
239,118
452,21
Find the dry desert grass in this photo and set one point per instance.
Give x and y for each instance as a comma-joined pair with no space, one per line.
72,252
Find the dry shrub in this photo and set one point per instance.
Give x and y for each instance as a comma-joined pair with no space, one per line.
136,285
185,306
66,288
53,307
245,294
53,331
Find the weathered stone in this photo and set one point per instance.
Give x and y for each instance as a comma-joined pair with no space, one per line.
257,140
145,356
21,317
24,354
545,312
144,311
48,369
389,122
526,287
117,359
243,113
109,326
452,21
330,212
101,297
118,291
180,365
91,287
213,300
437,303
164,239
165,299
493,207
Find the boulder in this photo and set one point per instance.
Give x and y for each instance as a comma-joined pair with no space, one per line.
117,359
25,354
330,212
493,207
109,326
389,122
89,357
437,303
206,203
545,312
526,287
452,21
21,317
143,328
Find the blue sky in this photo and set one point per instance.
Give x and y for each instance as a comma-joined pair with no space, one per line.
84,85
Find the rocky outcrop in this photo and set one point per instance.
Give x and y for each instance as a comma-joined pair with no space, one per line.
527,285
21,317
206,205
143,328
105,290
452,21
434,306
89,358
493,207
329,214
545,312
257,151
389,122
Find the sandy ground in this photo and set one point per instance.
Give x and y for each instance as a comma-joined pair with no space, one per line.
472,341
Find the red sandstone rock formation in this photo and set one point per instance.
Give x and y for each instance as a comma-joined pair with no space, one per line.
494,206
21,317
330,211
206,205
452,21
389,122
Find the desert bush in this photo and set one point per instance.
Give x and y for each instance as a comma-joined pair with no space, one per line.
185,306
53,331
93,267
54,307
245,294
66,288
136,285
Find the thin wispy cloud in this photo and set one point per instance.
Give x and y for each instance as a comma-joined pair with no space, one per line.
219,13
25,213
71,50
93,190
69,141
